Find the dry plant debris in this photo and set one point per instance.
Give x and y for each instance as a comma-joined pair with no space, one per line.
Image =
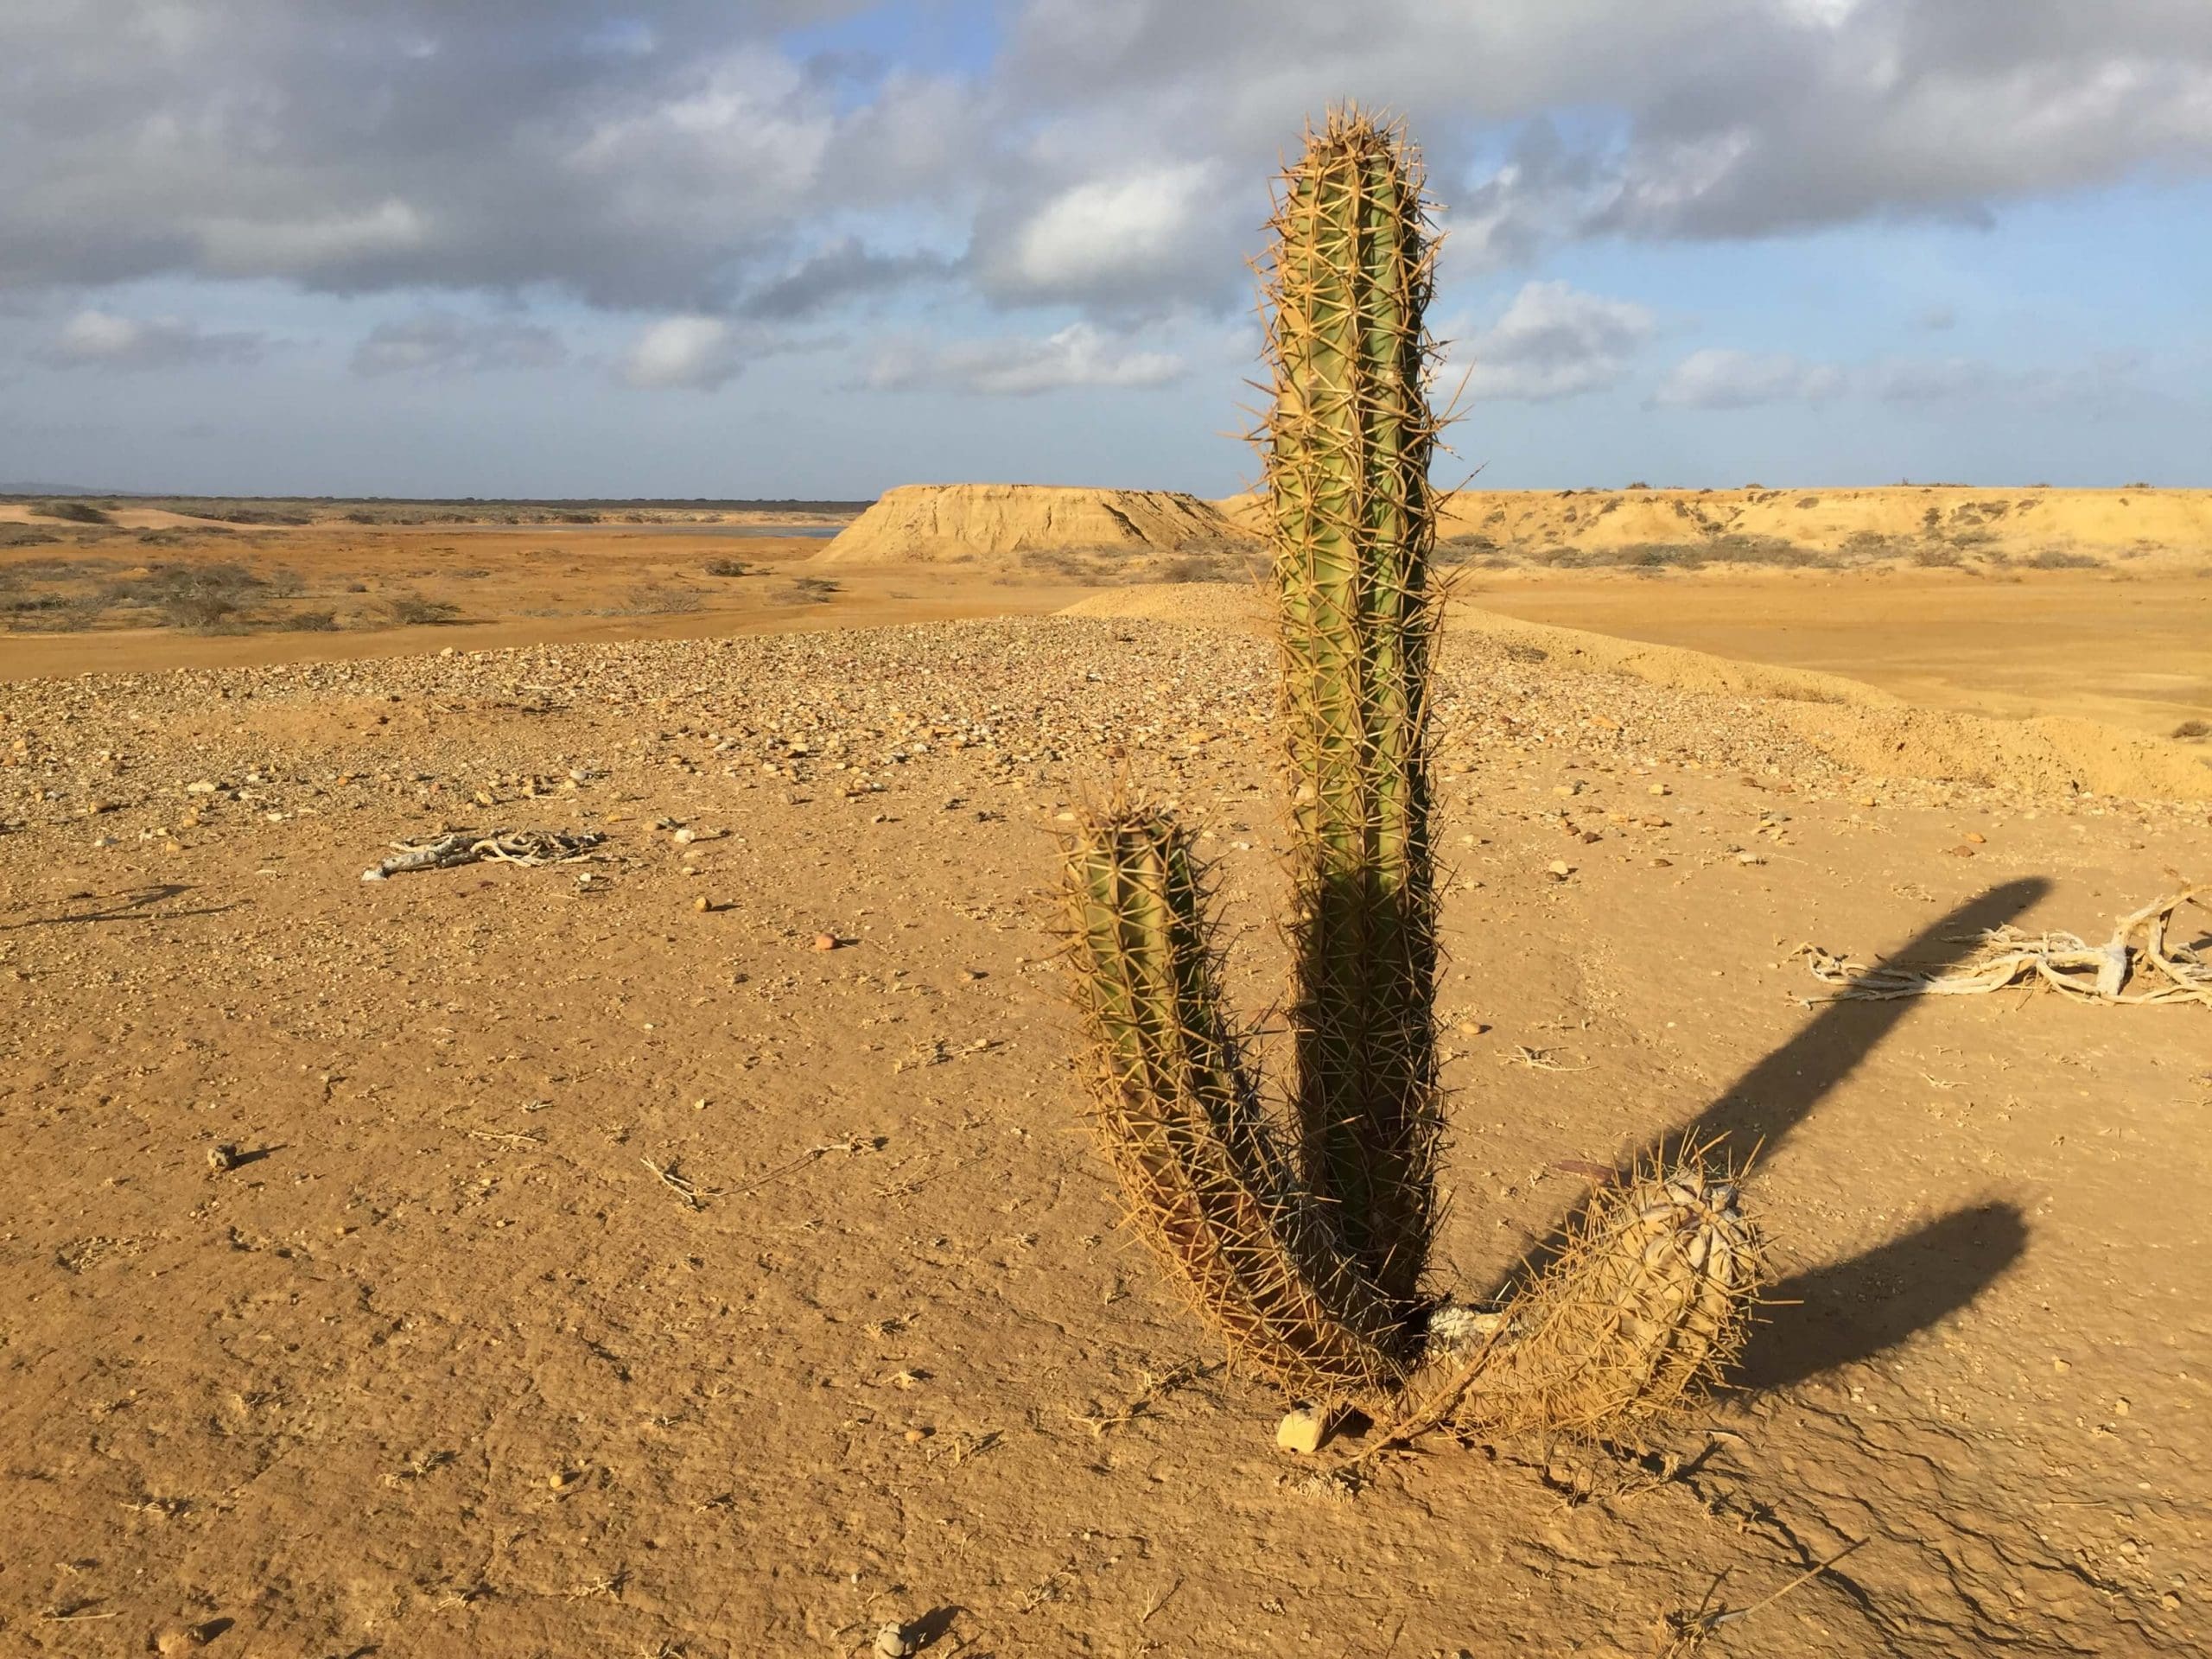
457,847
2168,971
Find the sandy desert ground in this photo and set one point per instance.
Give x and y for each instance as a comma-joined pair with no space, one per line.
605,1268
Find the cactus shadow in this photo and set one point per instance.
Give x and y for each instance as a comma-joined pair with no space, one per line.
1763,1107
1853,1310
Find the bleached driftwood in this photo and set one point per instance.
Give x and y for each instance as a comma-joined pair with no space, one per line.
2139,964
458,847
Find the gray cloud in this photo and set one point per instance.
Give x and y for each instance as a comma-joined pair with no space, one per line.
1078,355
439,342
679,161
844,272
102,339
1553,341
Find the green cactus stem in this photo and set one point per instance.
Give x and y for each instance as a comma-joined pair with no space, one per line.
1347,445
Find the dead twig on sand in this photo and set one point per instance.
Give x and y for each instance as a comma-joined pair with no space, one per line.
1685,1633
1157,1387
2138,953
680,1184
851,1143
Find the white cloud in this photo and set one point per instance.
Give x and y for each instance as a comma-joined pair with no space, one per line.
1078,355
1553,341
1718,377
96,339
1107,227
698,354
439,342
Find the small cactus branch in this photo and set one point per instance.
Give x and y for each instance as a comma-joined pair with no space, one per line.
1647,1301
1179,1118
1347,448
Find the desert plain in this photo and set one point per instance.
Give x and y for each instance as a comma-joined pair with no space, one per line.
696,1250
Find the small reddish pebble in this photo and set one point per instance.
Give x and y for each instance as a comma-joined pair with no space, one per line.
826,941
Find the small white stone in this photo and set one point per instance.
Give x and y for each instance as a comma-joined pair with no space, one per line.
1303,1430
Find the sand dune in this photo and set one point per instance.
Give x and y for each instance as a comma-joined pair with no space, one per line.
1934,522
933,524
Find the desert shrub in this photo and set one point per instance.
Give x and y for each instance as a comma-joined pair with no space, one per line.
413,611
1213,561
25,536
2191,731
50,613
1639,485
75,513
1808,501
1938,557
312,622
278,516
207,598
658,599
1463,550
2054,558
812,590
728,567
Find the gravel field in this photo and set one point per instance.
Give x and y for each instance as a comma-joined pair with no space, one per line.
693,1251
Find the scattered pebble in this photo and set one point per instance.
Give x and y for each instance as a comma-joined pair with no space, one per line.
893,1641
826,941
1303,1430
222,1157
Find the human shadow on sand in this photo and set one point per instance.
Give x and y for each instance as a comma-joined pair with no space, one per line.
134,904
1852,1310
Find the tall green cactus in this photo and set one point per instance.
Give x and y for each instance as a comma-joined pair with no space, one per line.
1314,1268
1347,448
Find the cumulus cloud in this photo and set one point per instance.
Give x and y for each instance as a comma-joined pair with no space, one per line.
102,339
1105,239
1078,355
1718,377
439,342
682,159
1553,341
696,353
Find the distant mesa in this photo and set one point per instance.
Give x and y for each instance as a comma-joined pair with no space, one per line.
1029,523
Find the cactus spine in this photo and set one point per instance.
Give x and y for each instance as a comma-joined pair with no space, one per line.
1347,447
1313,1267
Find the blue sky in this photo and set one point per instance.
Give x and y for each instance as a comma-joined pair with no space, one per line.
804,247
